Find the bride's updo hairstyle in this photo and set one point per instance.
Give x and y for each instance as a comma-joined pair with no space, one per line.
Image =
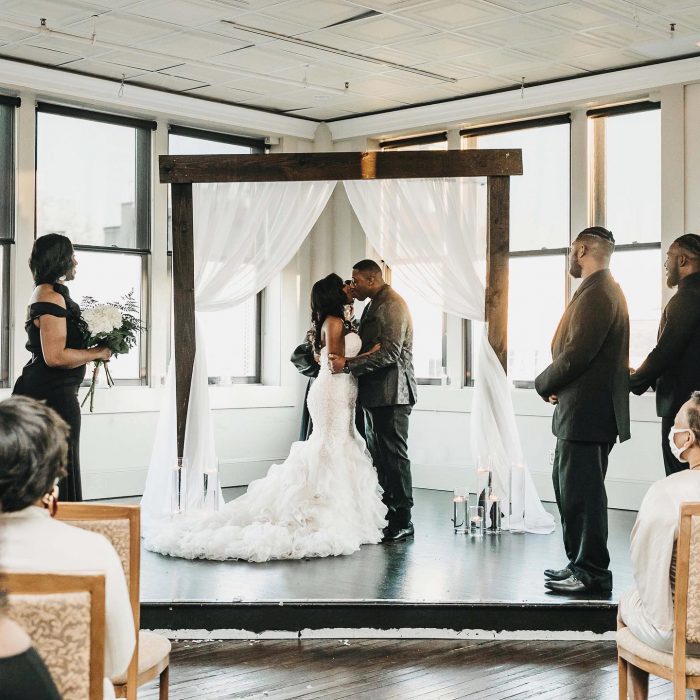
51,258
33,451
327,299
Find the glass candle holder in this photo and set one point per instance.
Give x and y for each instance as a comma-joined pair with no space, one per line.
484,478
460,511
476,521
517,497
494,525
210,487
178,487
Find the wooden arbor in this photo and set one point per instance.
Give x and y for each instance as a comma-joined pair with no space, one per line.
181,171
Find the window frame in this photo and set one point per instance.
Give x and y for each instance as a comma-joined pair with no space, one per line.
499,128
256,146
8,106
143,144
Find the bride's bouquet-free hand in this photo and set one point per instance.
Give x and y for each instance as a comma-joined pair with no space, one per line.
113,325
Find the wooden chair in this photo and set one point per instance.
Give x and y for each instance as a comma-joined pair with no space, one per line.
683,670
64,615
121,525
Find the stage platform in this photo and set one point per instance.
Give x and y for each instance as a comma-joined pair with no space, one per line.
439,581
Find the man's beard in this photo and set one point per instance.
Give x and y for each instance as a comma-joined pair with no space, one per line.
672,275
575,269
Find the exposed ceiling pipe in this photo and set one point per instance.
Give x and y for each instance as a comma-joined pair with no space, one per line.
44,29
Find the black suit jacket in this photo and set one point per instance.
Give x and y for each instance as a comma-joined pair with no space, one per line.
386,377
590,364
673,366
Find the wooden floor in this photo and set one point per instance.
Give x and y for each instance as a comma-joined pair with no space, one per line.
405,669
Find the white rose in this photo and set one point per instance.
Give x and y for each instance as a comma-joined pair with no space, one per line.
103,318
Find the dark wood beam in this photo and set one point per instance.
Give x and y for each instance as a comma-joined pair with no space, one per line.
497,258
183,303
372,165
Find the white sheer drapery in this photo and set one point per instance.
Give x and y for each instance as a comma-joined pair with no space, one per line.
433,230
244,235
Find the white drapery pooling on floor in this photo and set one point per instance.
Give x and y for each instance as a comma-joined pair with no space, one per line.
432,230
245,234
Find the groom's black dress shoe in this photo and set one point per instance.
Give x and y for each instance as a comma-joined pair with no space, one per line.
572,586
557,574
397,535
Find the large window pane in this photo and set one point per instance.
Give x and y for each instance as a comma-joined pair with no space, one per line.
639,273
536,299
107,277
428,325
539,199
633,176
87,182
232,343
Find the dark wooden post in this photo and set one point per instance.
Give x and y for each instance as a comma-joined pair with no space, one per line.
183,303
497,256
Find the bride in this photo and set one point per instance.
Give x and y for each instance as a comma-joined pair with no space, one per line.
324,500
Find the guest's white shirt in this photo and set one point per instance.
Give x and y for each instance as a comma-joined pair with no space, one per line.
653,541
33,541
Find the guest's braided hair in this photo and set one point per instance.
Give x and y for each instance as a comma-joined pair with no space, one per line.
33,451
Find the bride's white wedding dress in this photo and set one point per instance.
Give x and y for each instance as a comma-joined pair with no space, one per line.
324,500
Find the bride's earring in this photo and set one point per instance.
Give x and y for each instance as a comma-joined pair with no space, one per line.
50,501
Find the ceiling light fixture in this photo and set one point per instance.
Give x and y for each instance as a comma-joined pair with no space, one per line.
339,52
44,29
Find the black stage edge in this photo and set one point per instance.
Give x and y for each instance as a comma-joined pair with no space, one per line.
295,616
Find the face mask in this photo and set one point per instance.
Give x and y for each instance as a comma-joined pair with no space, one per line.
674,448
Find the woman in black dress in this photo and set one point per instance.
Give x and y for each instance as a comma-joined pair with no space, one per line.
56,339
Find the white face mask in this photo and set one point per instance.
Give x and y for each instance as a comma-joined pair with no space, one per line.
674,448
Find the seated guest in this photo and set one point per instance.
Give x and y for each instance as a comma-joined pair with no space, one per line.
33,453
22,672
648,609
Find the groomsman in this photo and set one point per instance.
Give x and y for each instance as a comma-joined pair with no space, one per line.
588,382
673,366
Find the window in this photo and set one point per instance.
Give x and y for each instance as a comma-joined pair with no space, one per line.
626,198
7,226
233,335
429,323
539,237
93,185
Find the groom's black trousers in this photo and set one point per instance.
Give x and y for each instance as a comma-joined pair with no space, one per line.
386,429
579,486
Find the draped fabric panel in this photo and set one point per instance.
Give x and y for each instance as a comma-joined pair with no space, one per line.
245,234
432,232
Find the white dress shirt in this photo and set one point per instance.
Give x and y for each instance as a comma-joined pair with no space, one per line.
33,541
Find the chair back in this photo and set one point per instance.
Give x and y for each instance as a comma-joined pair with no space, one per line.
64,615
687,590
121,525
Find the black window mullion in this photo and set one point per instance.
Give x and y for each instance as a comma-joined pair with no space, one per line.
255,145
104,117
143,190
7,168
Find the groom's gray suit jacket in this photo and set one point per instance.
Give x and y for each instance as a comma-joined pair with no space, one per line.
386,377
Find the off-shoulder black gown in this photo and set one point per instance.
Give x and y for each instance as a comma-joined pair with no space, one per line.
55,385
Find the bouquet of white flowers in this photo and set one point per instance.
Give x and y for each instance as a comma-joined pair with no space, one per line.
113,325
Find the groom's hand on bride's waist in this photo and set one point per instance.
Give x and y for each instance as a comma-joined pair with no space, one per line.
336,363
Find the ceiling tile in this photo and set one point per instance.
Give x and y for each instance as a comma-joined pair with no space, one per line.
196,45
135,59
56,13
182,12
621,35
326,74
512,32
102,69
536,72
202,74
528,5
442,47
314,13
75,48
12,35
282,103
263,85
260,59
455,15
566,48
381,30
322,113
491,60
573,17
121,30
479,83
167,82
610,58
223,93
37,54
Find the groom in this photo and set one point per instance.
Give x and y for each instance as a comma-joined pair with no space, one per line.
386,390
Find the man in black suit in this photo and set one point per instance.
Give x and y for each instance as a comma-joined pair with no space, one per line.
588,382
386,391
673,366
